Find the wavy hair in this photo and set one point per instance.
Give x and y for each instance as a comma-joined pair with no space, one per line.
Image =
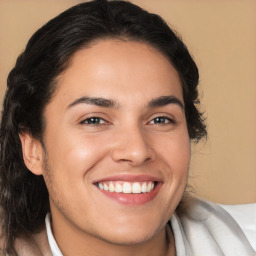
24,198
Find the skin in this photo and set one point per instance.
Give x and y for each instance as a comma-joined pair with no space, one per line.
129,140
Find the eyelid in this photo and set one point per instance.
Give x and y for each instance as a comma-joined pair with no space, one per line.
94,117
168,116
85,118
169,121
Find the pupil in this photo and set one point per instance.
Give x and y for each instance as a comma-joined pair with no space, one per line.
160,120
93,120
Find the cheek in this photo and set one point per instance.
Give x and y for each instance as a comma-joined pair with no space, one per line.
74,155
79,155
69,162
175,152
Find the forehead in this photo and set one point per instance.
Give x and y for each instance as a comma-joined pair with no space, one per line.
114,67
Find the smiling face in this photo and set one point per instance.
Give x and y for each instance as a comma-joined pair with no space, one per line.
117,145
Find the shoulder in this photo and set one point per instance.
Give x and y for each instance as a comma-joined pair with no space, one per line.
29,244
208,228
33,244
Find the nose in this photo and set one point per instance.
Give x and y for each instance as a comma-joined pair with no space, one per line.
132,146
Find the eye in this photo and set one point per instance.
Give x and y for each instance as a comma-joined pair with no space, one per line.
94,120
162,120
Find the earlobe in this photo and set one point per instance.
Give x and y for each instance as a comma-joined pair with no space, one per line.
32,153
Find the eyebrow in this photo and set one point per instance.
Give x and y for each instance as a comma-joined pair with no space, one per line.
101,102
165,100
108,103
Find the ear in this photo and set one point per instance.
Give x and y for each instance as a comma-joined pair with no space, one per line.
32,151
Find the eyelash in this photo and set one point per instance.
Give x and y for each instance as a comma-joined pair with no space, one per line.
95,121
167,120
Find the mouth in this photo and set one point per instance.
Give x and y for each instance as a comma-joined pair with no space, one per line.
129,190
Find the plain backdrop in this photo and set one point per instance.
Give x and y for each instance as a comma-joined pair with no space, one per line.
221,36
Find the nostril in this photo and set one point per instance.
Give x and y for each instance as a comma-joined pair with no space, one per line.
148,159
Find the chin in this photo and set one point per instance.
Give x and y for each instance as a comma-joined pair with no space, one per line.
131,236
129,239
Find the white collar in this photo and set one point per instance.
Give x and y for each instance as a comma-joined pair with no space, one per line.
52,242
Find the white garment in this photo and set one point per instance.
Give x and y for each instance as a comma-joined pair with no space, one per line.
203,229
208,230
245,216
52,242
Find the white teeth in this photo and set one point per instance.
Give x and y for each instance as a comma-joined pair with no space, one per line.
118,188
111,187
136,188
105,187
127,187
148,187
144,187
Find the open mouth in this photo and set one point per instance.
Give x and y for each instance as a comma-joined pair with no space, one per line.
129,192
127,187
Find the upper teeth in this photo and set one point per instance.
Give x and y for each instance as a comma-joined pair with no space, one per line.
127,187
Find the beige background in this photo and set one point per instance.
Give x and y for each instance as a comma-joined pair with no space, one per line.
221,36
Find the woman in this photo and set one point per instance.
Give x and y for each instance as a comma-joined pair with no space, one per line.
97,123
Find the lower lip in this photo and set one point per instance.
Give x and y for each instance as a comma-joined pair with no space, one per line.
133,199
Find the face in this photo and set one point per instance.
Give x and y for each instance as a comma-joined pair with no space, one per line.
117,146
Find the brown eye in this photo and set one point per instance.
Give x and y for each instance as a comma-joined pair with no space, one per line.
93,121
162,120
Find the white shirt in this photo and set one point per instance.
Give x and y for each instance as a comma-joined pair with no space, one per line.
52,242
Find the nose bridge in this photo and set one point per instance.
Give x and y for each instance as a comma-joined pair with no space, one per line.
132,146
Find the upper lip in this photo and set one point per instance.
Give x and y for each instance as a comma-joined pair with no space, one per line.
129,178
